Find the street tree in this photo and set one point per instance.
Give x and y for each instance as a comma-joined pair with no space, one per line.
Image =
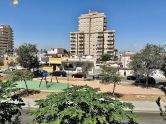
110,76
106,57
163,67
83,105
147,60
9,109
21,75
86,67
27,56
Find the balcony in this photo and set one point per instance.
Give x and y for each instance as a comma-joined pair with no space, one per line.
72,44
72,48
110,38
110,44
72,37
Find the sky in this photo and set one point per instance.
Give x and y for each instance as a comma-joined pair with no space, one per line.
48,23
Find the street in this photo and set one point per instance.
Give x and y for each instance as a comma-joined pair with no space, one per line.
151,118
145,117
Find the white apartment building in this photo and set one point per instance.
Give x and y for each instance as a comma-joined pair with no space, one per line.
92,37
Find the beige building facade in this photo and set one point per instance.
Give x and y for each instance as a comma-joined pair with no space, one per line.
6,37
92,37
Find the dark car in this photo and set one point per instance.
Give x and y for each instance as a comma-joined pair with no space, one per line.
161,84
59,73
131,77
142,80
98,77
79,75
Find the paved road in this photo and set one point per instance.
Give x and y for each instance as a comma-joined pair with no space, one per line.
151,118
146,118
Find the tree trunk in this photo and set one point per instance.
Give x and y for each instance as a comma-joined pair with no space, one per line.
147,79
26,87
57,79
113,92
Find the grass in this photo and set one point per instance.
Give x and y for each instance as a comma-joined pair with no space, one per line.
34,84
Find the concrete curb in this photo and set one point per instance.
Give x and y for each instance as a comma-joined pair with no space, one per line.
140,106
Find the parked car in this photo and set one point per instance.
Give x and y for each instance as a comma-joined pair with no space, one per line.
79,75
161,84
98,77
131,77
142,80
59,73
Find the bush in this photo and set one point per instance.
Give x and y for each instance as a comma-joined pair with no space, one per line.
83,105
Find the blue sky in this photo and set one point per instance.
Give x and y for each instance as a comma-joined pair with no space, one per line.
47,23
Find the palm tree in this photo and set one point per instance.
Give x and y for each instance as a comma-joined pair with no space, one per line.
110,76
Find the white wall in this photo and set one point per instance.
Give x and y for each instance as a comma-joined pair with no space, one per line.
128,72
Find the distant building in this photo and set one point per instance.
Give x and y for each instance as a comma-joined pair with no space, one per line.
92,37
126,58
56,52
6,38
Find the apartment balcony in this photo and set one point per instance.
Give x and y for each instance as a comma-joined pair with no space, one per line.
110,44
100,41
73,44
72,34
99,48
73,51
110,38
81,41
110,41
110,47
100,34
110,34
73,37
99,45
72,48
100,37
81,49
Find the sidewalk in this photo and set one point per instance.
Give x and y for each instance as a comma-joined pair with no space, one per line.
140,106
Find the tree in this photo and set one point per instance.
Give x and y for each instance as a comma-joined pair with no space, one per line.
9,52
106,57
83,105
1,62
86,67
110,76
147,60
11,63
9,109
27,56
21,75
163,67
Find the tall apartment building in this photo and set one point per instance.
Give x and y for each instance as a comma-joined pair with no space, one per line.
6,37
92,37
